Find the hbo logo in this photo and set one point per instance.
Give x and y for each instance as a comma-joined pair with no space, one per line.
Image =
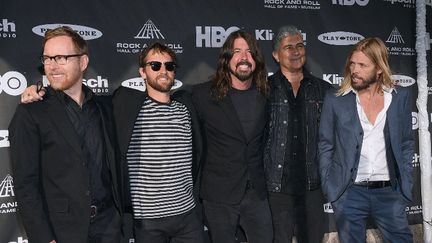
13,83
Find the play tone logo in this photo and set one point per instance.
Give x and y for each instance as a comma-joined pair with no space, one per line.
87,33
403,80
340,38
139,84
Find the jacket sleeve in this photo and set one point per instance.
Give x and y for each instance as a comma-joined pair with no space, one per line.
326,142
25,156
407,146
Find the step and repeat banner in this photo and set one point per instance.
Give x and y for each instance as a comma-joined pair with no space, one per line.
118,30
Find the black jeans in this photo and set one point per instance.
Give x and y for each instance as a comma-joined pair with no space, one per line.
252,214
105,227
305,213
183,228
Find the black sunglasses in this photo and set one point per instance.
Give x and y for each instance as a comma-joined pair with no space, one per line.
156,66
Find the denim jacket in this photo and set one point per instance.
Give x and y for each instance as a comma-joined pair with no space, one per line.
276,132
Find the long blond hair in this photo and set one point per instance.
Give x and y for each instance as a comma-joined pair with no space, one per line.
375,49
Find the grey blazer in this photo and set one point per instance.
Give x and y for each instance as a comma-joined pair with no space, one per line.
341,137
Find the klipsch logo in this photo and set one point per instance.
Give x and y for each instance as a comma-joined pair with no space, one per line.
340,38
19,240
148,33
333,78
87,33
7,29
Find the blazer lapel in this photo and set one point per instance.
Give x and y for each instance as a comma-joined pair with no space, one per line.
350,110
125,124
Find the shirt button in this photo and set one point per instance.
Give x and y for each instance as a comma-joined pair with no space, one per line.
295,136
285,101
282,144
277,188
284,122
279,166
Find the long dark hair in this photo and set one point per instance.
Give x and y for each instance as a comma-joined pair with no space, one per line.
221,81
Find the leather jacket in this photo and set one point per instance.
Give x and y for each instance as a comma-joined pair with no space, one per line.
276,132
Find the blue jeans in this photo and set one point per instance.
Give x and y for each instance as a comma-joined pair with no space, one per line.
252,214
384,205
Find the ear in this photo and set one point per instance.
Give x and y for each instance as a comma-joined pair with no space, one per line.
142,73
84,61
275,56
379,71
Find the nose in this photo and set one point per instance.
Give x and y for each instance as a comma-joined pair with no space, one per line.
244,55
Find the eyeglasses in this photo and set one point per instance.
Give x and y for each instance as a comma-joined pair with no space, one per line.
59,59
156,66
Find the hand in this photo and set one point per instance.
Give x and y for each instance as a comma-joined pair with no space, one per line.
30,94
53,241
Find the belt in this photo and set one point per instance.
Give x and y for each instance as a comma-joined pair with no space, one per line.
99,207
373,184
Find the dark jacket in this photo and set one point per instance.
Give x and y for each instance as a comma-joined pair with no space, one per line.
276,134
341,138
230,158
127,103
50,175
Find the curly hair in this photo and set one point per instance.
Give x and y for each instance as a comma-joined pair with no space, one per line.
221,81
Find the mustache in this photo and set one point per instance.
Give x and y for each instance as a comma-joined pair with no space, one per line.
162,75
244,63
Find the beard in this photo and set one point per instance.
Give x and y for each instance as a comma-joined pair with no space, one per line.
161,86
364,84
242,75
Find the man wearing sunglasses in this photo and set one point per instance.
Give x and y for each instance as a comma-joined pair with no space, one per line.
62,153
160,147
231,108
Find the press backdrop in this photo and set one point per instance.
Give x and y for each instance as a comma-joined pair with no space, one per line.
117,30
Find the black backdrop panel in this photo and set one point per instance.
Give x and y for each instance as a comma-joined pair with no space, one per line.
117,31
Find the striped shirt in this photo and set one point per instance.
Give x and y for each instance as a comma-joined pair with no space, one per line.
160,161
